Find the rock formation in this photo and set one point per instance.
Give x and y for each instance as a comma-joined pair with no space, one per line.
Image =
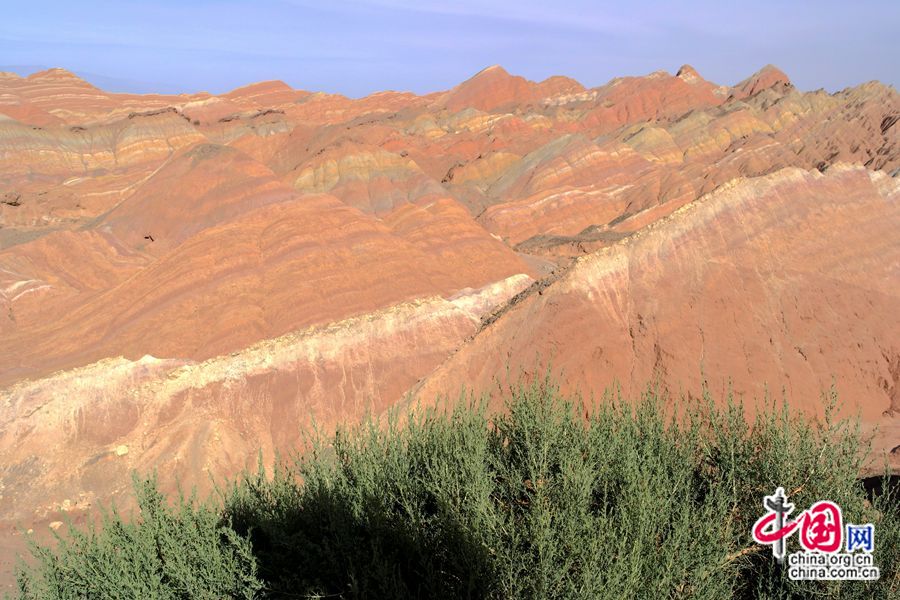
188,280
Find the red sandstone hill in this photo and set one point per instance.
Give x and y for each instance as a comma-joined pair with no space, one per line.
186,280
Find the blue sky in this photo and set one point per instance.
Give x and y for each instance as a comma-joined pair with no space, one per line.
356,47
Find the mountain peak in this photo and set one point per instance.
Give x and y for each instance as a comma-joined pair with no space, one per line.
768,77
490,88
268,85
493,72
55,73
492,68
688,74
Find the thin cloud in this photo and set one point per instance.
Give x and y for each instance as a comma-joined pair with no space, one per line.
582,16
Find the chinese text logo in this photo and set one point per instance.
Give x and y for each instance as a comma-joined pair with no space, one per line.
822,534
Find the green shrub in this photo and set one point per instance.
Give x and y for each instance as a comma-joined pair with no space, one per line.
541,501
186,552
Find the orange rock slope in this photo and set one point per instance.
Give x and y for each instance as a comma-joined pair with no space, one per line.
185,280
780,281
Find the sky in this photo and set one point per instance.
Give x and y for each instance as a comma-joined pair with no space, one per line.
356,47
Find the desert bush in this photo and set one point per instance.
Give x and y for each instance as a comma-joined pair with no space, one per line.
546,499
185,551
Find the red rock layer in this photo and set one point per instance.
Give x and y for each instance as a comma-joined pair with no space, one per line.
261,274
791,280
185,279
